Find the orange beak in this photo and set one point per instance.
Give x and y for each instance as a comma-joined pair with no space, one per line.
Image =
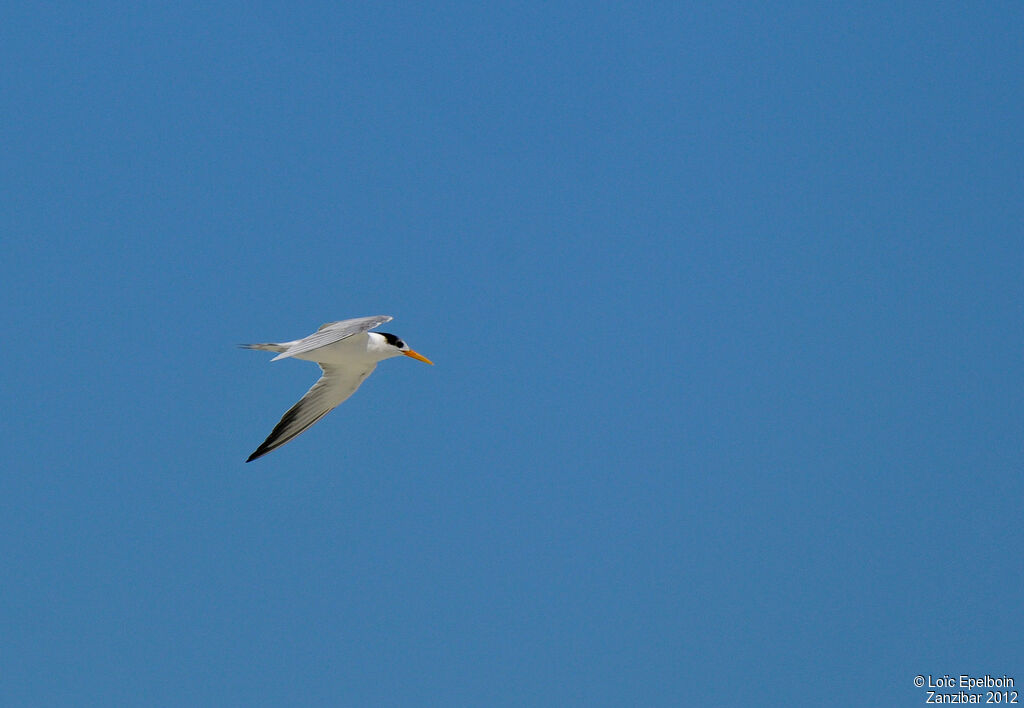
416,355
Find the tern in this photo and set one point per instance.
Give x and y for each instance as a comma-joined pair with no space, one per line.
347,352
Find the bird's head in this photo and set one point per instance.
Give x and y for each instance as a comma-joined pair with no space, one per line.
403,348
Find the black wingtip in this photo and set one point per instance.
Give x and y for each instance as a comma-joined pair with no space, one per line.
263,449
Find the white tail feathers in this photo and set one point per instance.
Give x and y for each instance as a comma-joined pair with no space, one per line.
266,346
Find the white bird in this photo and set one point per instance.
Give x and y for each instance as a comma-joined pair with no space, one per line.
347,352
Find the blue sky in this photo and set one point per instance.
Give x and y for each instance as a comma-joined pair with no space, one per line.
725,301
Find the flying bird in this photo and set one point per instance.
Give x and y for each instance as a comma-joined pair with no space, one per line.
347,352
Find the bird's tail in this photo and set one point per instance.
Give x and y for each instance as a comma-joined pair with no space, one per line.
266,346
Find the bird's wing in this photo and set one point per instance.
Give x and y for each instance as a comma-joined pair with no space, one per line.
336,385
333,332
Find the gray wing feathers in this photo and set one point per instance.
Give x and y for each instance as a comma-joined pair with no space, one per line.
325,395
333,332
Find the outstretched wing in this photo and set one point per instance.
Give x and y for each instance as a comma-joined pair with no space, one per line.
333,332
328,393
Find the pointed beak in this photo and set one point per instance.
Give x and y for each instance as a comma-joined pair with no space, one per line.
416,355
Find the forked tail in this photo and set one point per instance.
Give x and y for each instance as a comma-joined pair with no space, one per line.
265,346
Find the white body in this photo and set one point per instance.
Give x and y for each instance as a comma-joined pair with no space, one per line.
358,349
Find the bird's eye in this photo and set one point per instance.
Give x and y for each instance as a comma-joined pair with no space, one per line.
400,344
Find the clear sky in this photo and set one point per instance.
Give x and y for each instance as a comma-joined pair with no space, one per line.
726,306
